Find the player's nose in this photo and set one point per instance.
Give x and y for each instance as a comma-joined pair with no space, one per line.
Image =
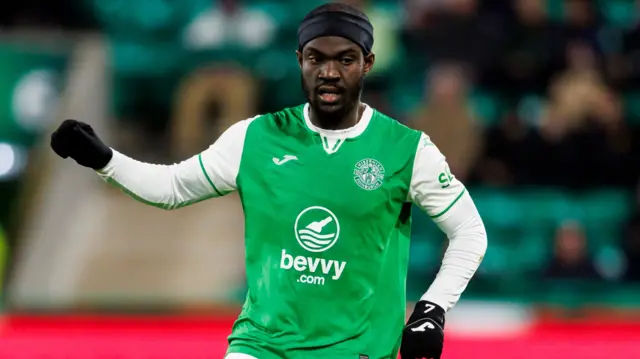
329,72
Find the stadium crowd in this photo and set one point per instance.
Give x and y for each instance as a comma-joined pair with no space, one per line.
531,101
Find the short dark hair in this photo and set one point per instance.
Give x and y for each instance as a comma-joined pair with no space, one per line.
337,7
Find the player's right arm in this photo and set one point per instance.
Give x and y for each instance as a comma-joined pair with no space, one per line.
211,173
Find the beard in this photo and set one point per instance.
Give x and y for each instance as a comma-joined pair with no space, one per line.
333,114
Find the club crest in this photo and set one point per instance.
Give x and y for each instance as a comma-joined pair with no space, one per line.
368,174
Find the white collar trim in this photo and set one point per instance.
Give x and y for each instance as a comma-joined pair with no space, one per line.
350,132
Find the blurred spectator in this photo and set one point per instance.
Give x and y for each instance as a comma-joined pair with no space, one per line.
571,259
207,103
530,50
453,31
47,14
447,118
227,22
582,127
581,20
578,94
511,154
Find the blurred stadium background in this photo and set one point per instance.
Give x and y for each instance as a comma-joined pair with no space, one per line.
536,104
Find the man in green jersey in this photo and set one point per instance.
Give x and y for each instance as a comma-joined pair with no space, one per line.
326,188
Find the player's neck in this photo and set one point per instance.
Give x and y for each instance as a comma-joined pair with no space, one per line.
348,120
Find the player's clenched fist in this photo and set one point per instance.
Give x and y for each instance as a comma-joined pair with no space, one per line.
79,141
423,336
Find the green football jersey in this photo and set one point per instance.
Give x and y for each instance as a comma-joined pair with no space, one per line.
327,237
327,226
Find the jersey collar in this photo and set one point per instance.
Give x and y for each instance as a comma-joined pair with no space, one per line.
350,132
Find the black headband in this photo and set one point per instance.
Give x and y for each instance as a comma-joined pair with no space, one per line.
340,24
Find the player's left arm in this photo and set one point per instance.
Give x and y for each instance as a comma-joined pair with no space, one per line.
445,199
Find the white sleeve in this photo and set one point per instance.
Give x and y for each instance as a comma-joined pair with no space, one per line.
209,174
445,199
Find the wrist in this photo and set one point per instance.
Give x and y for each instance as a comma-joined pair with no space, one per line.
426,309
105,160
439,299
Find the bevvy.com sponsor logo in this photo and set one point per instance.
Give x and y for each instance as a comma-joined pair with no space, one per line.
316,229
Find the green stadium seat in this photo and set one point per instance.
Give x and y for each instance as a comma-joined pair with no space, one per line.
606,205
537,202
619,295
632,107
533,250
30,82
498,208
425,255
619,13
497,261
488,107
530,108
4,259
555,9
426,243
568,293
520,226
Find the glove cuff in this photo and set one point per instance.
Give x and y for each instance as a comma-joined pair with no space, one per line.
429,307
426,309
103,158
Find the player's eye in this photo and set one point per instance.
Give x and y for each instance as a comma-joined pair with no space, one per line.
313,59
346,60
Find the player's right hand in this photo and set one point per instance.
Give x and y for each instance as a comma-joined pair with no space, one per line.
79,141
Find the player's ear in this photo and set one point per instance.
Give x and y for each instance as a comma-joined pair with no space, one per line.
369,60
299,56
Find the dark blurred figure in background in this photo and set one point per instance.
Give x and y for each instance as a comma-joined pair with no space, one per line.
571,258
579,138
582,20
462,30
39,14
529,51
510,153
582,126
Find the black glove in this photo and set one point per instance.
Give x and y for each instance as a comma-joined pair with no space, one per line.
79,141
423,336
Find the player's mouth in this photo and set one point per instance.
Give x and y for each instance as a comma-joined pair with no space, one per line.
329,94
